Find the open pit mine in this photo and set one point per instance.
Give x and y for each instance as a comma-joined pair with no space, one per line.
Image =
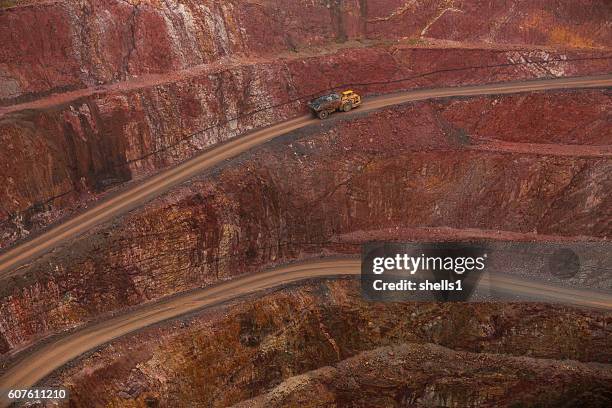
189,189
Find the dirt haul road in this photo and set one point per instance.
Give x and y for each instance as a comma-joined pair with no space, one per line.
40,363
160,183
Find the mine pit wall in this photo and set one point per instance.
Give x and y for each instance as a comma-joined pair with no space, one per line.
57,159
54,46
409,166
225,355
399,375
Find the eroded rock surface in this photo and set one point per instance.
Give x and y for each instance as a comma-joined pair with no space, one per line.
58,157
432,376
224,356
326,189
59,45
97,93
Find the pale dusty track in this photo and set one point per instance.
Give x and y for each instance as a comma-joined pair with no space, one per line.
544,149
42,362
160,183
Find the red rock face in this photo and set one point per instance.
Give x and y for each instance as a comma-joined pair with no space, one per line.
538,118
97,93
577,23
150,76
30,58
64,153
325,190
66,45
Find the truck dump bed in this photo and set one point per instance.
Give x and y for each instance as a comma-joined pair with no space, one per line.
330,101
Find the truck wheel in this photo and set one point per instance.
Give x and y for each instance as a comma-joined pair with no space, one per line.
323,114
347,106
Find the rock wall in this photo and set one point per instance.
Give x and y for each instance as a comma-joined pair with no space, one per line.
57,158
59,45
222,356
426,164
119,89
397,377
561,23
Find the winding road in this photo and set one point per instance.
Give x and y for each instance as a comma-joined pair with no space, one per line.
53,355
160,183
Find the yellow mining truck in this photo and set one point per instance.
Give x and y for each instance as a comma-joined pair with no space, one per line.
326,104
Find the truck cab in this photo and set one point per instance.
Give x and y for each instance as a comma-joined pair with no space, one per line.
350,100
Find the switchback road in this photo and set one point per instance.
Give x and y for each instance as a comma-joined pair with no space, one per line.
39,364
156,185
